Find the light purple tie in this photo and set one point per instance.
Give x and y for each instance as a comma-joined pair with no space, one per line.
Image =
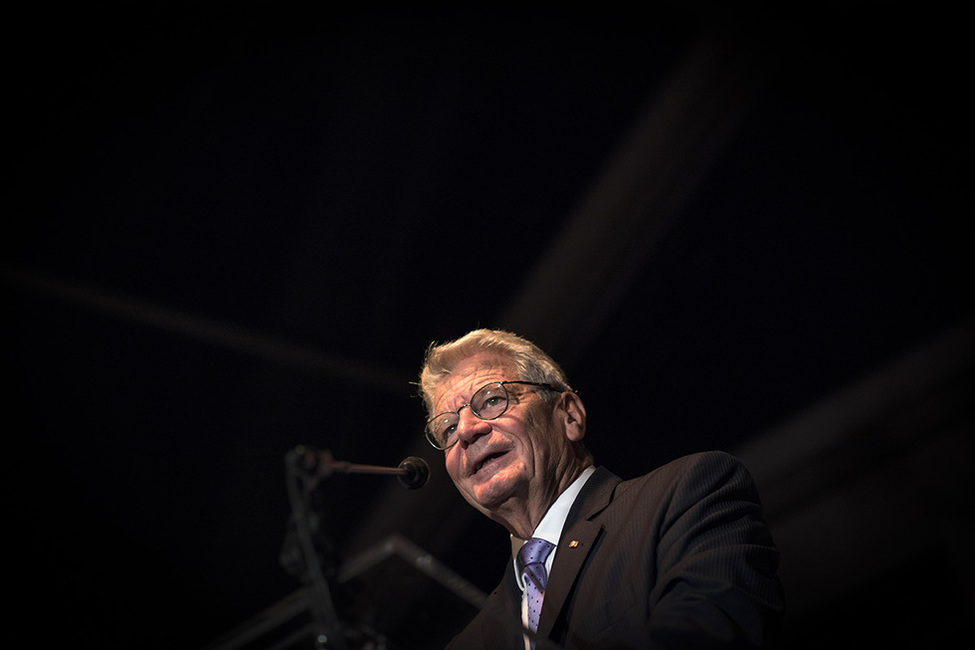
531,560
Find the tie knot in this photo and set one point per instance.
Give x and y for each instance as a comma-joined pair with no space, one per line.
534,551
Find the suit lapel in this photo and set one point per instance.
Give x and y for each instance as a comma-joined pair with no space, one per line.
578,537
569,560
514,628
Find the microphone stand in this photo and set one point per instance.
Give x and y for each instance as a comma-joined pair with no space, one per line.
327,631
305,468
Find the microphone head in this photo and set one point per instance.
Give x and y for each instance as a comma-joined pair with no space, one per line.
415,473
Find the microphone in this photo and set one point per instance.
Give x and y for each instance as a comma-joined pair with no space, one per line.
416,472
413,472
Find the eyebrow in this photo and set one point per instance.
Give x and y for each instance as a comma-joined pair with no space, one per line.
467,400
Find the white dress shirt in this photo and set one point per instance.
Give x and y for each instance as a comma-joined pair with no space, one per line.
549,529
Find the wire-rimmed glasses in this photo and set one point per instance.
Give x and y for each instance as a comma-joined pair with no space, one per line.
489,402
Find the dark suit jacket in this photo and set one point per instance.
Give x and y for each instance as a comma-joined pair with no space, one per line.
679,558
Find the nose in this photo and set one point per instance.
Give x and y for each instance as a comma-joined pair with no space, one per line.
470,427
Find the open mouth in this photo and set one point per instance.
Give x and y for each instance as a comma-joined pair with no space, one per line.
488,460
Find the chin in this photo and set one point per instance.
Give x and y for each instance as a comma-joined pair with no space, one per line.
495,490
487,498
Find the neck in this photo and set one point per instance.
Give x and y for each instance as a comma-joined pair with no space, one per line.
523,516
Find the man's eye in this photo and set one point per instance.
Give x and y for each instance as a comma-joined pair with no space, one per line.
446,432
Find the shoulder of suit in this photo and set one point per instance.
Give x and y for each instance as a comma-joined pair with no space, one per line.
705,462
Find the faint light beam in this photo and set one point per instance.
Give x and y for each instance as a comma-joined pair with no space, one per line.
208,330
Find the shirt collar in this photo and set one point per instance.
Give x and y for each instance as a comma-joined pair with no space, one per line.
551,525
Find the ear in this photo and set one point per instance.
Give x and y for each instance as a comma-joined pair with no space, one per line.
573,416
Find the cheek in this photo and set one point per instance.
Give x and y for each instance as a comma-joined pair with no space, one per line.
452,462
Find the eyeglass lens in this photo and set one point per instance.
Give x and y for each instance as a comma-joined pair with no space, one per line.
488,403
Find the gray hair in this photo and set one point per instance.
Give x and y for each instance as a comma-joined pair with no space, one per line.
529,361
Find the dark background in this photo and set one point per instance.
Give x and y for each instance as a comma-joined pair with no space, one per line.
234,229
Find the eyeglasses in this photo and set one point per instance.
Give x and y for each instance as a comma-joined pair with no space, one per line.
488,403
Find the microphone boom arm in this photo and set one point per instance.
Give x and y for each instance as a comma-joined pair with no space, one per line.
413,472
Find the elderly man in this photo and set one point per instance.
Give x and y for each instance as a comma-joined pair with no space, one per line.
678,558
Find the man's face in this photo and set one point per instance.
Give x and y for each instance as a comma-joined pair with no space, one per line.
515,460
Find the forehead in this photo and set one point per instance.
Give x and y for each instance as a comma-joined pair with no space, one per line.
467,376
